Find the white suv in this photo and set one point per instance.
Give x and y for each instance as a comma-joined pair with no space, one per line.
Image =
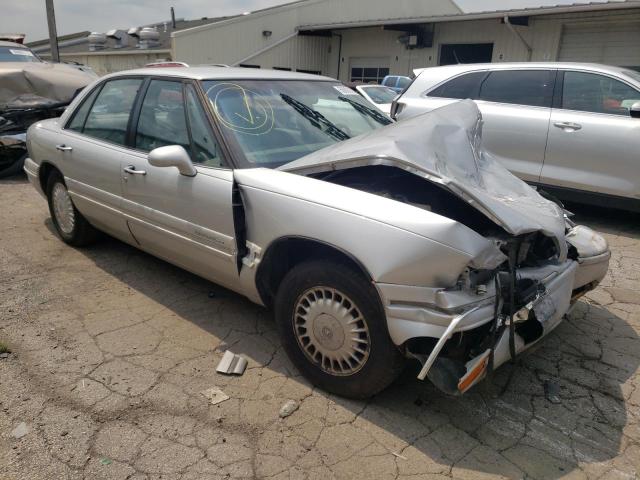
573,128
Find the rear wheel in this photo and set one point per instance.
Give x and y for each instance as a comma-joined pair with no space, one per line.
72,227
334,330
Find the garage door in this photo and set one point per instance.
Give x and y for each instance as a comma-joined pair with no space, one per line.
613,44
369,69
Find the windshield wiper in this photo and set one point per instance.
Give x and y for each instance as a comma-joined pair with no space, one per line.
315,118
370,112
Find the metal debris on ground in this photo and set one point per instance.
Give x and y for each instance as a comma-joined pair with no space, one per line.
232,364
288,408
215,395
552,392
4,355
20,431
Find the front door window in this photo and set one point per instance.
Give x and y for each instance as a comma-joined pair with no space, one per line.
590,92
162,118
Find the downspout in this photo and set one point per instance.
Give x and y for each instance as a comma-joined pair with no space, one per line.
265,49
507,22
339,54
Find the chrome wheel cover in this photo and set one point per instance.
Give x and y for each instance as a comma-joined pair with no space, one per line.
63,208
331,331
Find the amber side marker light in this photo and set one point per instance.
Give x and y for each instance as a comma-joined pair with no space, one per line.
474,372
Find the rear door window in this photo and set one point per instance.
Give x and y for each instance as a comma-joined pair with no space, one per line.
590,92
464,86
109,115
520,87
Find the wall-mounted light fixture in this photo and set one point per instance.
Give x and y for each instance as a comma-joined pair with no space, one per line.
267,33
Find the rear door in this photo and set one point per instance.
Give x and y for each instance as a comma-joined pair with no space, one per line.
90,148
594,143
185,220
516,107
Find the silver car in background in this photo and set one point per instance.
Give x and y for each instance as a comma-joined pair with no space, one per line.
373,242
573,128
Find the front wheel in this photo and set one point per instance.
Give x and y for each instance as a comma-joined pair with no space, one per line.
334,330
72,227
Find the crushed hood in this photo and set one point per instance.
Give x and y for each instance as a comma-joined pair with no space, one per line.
28,85
445,147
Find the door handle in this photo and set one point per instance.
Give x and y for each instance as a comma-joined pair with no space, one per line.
568,126
63,148
132,170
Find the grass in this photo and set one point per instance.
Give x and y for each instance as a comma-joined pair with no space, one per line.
4,348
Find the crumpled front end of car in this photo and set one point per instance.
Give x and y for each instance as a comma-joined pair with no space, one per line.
460,334
530,263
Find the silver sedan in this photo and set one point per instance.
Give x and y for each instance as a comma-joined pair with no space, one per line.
373,242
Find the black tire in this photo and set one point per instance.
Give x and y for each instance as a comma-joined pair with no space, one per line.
384,361
82,233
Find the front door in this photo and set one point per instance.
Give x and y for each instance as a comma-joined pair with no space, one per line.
594,143
185,220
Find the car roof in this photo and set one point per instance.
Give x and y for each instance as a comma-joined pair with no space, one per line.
460,68
222,73
4,43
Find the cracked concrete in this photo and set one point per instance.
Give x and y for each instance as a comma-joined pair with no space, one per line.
112,347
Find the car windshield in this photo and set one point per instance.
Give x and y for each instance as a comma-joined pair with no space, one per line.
272,122
17,54
380,94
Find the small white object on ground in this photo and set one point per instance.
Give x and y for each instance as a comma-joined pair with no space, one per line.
215,395
232,364
20,431
288,408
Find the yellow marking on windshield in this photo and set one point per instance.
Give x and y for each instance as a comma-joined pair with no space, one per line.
255,113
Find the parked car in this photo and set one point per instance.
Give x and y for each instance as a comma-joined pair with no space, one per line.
30,90
373,242
382,97
396,82
573,128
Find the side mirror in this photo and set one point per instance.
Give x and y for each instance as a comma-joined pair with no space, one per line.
634,111
173,156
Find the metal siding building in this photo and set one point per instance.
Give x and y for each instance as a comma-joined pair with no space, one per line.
328,36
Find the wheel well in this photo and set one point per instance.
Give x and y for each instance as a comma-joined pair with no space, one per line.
286,253
45,171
